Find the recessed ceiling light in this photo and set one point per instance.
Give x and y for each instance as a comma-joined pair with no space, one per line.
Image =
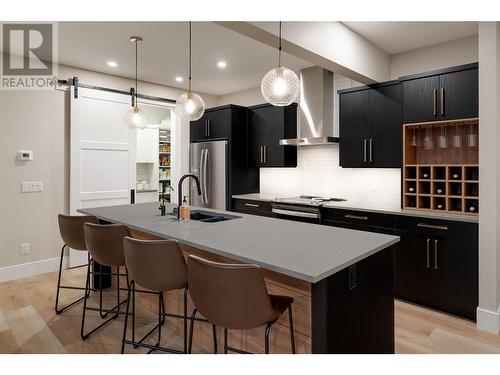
221,64
112,64
179,79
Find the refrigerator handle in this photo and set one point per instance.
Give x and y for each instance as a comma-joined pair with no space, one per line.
204,191
201,175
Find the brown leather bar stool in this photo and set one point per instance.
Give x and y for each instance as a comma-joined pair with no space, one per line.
105,245
71,229
157,265
234,296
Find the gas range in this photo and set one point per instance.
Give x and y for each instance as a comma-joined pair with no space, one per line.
310,200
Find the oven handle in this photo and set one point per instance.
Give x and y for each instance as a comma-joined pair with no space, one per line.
295,213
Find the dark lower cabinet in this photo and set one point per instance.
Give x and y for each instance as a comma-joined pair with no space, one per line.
437,265
253,207
353,310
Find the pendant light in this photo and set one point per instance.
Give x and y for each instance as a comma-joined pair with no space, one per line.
189,105
135,118
280,86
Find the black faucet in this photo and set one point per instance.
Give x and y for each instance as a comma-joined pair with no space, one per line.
162,201
179,190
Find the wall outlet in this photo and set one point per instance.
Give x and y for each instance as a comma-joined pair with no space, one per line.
31,187
25,248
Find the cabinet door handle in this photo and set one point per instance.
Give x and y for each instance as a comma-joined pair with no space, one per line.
349,216
435,254
208,128
442,101
430,226
364,150
371,150
265,154
252,205
434,102
428,253
261,160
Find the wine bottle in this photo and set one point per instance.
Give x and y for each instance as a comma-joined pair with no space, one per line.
411,190
455,176
439,191
472,208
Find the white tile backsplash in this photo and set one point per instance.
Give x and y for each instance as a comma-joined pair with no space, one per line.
318,172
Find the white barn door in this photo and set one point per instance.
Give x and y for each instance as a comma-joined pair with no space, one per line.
102,153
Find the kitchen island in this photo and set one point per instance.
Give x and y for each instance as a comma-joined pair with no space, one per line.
341,279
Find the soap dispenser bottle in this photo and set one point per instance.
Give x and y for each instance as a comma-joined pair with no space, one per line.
185,213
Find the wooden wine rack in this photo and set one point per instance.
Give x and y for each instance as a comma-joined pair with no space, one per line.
445,187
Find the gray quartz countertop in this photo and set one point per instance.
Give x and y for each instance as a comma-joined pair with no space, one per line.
367,206
309,252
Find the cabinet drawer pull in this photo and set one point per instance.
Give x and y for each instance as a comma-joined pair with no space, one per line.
428,253
252,205
442,101
430,226
434,102
435,254
364,150
349,216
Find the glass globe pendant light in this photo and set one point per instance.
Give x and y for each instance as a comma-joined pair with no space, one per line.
189,105
280,86
135,118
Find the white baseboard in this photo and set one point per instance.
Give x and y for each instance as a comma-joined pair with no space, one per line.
488,320
20,271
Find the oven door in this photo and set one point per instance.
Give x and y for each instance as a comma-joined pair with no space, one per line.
293,212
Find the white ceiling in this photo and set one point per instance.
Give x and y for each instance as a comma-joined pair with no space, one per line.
397,37
164,53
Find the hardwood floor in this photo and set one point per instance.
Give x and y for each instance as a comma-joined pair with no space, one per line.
28,324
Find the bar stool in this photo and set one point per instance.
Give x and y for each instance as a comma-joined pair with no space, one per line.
71,229
158,266
105,245
234,296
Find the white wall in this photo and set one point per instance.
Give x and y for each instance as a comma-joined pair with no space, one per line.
488,313
443,55
39,121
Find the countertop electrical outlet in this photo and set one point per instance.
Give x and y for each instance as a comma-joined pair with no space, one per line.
25,248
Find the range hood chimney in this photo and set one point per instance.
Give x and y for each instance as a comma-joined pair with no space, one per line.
315,122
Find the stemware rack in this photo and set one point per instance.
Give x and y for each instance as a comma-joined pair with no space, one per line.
441,175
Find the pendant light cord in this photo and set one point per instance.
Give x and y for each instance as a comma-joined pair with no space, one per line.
279,47
189,90
136,41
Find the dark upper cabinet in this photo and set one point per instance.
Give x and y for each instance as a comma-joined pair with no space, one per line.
214,124
420,99
268,124
442,95
354,128
437,264
371,127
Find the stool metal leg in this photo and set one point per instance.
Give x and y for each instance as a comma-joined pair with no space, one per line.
185,319
83,335
191,329
126,315
266,343
292,333
59,287
225,340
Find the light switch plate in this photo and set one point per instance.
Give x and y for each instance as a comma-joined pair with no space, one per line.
31,187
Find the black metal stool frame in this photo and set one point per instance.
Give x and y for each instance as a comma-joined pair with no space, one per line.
161,320
235,350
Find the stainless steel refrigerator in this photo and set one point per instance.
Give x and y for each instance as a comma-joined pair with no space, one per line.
209,161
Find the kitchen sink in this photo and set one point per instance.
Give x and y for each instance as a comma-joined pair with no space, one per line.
208,217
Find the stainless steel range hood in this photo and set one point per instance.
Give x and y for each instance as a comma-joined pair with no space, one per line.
315,122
